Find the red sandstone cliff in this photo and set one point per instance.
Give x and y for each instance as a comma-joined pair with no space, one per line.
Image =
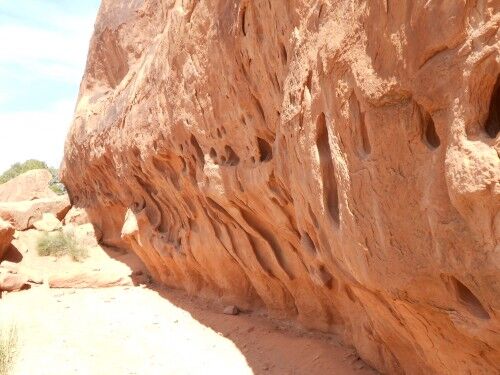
336,162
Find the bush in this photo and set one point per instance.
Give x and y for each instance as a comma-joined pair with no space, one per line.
19,168
60,244
8,349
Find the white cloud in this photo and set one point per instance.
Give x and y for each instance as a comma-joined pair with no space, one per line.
47,52
41,42
35,135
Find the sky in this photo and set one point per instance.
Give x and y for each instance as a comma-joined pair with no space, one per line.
43,49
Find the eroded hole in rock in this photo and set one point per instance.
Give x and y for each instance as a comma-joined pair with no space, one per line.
349,293
469,300
232,158
197,148
258,105
365,140
430,136
243,20
312,216
358,118
309,80
308,244
320,14
283,54
265,150
212,153
322,277
492,124
330,190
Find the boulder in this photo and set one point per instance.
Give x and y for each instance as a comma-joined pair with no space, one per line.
76,215
48,223
12,282
231,310
30,274
6,236
24,214
84,234
30,185
333,161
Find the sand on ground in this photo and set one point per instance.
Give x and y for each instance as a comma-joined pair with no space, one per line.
142,331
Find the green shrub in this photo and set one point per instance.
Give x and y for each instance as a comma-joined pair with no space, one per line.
8,349
19,168
59,244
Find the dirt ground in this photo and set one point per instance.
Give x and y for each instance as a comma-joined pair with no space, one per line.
141,331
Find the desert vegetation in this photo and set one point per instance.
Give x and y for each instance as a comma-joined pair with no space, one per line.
19,168
59,244
8,349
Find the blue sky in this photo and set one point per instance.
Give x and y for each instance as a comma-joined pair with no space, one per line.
43,49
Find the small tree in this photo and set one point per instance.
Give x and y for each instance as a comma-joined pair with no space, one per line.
19,168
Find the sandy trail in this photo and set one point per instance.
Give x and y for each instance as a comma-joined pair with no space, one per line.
135,330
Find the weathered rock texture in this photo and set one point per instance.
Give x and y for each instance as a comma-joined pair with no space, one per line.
334,161
27,186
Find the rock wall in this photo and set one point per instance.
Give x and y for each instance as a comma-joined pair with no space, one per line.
335,162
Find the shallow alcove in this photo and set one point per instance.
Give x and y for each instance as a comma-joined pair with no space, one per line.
492,124
469,300
265,150
429,133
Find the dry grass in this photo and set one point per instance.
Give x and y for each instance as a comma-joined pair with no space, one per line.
8,349
60,244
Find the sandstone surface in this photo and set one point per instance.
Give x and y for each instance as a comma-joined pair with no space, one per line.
335,162
30,185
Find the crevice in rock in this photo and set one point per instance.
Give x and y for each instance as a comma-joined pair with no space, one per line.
322,277
232,158
469,300
198,150
261,228
329,180
363,139
309,81
349,293
212,154
312,216
492,124
308,244
320,15
429,133
259,108
243,20
283,54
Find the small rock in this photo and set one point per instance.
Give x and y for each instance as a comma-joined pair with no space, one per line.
11,282
231,310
